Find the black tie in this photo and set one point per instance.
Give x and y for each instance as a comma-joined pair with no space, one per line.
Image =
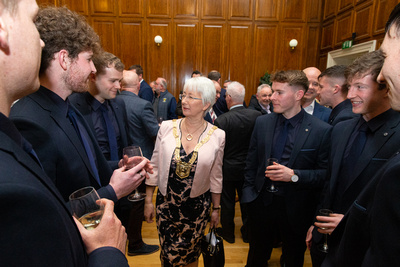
79,128
279,147
112,138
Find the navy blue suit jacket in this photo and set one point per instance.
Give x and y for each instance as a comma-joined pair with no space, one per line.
145,91
35,221
309,159
321,112
79,101
58,146
343,111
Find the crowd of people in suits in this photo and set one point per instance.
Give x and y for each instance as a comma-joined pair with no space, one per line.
311,140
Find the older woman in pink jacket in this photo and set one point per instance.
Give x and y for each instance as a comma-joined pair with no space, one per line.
187,162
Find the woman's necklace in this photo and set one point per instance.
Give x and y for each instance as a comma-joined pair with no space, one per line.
189,136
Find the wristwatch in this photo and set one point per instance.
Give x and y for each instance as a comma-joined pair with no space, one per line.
294,178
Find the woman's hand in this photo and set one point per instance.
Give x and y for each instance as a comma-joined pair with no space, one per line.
214,219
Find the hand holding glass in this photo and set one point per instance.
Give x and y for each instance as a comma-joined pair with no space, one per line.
270,162
134,154
324,247
86,207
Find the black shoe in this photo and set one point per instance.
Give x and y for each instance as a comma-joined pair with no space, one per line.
144,250
230,240
244,235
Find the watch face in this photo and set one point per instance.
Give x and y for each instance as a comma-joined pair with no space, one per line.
295,178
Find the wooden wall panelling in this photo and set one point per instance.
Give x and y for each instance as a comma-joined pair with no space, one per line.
362,21
264,52
131,8
158,8
46,2
289,59
103,8
158,58
267,10
213,39
239,61
327,35
212,9
131,48
106,29
344,5
186,9
312,46
294,10
381,15
241,9
314,10
186,52
344,28
323,60
80,6
330,9
357,2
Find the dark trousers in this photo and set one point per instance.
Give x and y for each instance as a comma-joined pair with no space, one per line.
262,219
131,215
228,196
317,256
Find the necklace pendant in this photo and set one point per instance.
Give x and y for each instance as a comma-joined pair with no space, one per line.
189,137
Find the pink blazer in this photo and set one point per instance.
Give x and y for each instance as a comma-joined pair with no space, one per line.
208,173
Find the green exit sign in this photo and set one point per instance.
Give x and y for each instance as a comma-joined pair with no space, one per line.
347,44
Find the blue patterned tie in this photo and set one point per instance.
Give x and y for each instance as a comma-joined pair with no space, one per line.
112,138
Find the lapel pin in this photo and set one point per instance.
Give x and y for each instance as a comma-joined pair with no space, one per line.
306,130
385,134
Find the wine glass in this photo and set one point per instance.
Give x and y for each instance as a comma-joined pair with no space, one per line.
86,207
272,188
324,247
135,156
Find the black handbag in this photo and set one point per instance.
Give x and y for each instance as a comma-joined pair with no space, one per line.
212,248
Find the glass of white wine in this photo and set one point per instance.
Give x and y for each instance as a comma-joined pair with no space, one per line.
86,207
135,156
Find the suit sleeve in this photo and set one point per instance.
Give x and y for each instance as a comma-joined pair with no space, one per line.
316,176
149,120
171,109
146,93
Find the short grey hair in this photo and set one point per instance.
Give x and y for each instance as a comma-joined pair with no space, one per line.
237,92
204,86
262,86
164,83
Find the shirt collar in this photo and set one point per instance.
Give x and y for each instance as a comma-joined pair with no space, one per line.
7,127
236,106
57,100
310,109
377,122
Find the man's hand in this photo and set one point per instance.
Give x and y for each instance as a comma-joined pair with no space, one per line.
109,232
125,181
326,224
309,237
126,161
278,172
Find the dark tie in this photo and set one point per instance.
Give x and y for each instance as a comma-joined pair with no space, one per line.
357,143
112,138
279,147
29,149
79,128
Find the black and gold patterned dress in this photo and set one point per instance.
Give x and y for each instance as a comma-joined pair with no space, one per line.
181,220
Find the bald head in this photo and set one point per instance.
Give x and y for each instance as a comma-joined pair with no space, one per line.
130,82
312,74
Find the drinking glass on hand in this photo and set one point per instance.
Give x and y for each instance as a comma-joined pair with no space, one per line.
86,207
272,188
135,156
324,247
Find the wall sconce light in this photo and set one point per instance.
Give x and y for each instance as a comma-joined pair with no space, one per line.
158,40
293,43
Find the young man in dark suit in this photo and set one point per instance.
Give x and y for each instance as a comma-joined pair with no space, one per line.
37,228
333,93
238,124
308,102
362,145
60,135
300,142
368,233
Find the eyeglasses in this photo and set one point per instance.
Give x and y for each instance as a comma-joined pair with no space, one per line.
190,98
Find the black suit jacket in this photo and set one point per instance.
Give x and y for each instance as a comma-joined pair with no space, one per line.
309,159
145,91
368,235
58,146
80,102
238,124
256,106
36,226
343,111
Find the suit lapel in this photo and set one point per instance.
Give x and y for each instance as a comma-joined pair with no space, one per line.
269,129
